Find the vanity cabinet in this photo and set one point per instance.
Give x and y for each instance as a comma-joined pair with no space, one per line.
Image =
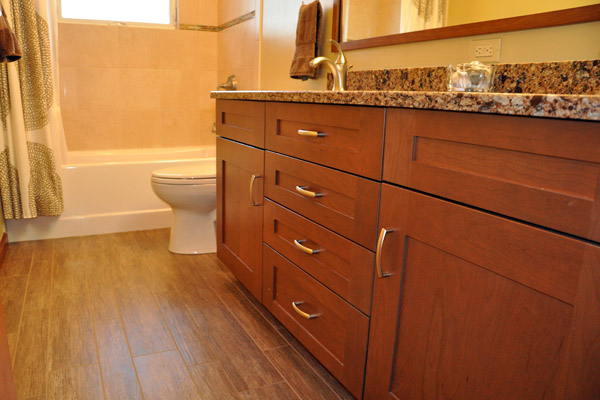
240,178
459,260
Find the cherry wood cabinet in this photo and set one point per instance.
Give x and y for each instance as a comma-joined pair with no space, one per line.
470,305
242,121
544,171
240,172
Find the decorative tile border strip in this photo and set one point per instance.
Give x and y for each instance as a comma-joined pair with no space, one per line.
566,77
211,28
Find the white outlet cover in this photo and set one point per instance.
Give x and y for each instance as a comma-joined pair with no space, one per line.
495,43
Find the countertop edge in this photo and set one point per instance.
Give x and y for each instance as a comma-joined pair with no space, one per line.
577,107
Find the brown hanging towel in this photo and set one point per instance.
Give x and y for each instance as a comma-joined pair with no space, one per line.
9,46
308,39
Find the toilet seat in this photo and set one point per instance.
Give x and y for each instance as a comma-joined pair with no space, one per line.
198,174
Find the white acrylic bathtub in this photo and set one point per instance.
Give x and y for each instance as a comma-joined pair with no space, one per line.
109,191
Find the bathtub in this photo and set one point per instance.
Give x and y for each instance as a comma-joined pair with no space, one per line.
109,191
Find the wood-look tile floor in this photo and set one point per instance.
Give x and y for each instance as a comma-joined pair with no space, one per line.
119,317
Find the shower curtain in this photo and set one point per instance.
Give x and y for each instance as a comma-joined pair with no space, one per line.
416,15
30,115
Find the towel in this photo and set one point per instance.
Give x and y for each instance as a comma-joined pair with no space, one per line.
308,39
9,46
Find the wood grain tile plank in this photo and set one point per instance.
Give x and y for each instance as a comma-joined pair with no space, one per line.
31,357
212,381
299,375
18,259
316,366
279,391
43,250
103,303
12,290
118,374
12,347
75,384
71,334
39,286
164,376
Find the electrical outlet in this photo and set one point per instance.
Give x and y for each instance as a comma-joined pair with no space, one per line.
485,50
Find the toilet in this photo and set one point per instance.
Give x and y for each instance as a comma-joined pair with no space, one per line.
191,192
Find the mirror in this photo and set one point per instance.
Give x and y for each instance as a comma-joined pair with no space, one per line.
370,23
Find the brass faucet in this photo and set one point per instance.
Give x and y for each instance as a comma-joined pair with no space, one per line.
339,68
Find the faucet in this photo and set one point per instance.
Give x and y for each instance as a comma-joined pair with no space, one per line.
339,68
231,83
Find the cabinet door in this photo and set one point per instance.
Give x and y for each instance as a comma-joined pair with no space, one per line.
474,306
240,211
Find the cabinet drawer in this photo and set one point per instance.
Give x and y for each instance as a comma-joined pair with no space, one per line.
336,333
350,138
242,121
344,203
338,263
538,170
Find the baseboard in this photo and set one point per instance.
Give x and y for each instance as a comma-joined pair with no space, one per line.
56,227
3,248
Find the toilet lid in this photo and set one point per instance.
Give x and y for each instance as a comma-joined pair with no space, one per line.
187,172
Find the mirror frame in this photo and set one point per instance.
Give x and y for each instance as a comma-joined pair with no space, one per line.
541,20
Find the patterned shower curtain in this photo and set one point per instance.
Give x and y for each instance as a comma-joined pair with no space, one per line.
30,116
416,15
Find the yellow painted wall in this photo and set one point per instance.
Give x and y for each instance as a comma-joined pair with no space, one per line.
466,11
571,42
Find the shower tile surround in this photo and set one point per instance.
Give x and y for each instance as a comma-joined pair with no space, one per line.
131,87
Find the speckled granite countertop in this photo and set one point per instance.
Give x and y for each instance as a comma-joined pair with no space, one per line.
581,107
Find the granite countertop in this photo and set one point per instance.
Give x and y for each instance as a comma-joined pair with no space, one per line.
568,106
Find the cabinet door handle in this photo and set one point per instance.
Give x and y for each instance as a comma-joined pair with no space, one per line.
307,250
380,242
254,178
307,193
303,132
301,313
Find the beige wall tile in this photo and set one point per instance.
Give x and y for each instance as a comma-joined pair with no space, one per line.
231,9
97,88
91,129
140,129
68,88
141,47
82,45
207,51
208,12
140,89
189,11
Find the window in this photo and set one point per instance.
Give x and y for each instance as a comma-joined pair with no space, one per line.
136,11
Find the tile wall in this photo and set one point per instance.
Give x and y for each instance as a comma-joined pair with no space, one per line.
129,87
238,45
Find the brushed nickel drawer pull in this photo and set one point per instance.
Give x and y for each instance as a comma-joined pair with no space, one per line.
380,242
254,178
307,193
307,250
301,313
303,132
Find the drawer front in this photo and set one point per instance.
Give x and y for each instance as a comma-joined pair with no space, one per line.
242,121
538,170
344,203
350,138
338,263
336,333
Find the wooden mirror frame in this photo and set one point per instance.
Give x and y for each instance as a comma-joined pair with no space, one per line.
542,20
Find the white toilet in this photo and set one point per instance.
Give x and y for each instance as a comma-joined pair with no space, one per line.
191,191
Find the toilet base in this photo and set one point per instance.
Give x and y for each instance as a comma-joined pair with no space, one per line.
193,233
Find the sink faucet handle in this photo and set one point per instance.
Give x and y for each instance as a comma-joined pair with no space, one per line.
341,59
